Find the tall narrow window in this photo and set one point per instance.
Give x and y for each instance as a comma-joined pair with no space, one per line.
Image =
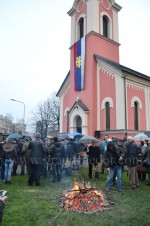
107,107
81,27
136,124
105,26
79,124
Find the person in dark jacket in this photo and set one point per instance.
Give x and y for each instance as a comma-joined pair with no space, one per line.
55,153
2,163
67,157
37,154
2,205
146,156
93,153
131,160
113,159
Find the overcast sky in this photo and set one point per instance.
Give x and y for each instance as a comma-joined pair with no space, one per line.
34,48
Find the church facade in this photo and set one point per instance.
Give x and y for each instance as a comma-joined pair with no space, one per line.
99,95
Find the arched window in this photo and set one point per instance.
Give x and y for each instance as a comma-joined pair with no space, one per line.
136,124
105,26
79,124
107,107
81,27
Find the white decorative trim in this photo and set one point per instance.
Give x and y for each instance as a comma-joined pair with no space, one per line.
84,117
104,5
135,86
61,112
65,113
98,98
66,90
107,99
134,99
120,101
77,26
106,71
146,107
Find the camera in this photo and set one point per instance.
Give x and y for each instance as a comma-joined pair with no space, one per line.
3,193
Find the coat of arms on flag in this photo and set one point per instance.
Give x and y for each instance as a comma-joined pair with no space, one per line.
79,61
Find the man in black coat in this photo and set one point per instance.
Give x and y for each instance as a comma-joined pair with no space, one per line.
131,160
55,153
37,154
93,158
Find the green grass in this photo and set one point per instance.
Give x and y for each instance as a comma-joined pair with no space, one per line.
40,206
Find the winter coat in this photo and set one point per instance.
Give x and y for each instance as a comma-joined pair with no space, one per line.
37,152
146,155
94,154
131,155
9,153
112,156
55,148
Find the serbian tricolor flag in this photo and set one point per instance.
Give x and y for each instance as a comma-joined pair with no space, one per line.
79,60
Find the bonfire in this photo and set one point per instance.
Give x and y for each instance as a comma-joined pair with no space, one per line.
85,199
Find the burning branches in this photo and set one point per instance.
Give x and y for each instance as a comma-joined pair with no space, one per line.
85,199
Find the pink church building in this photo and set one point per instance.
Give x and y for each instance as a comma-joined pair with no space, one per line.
112,99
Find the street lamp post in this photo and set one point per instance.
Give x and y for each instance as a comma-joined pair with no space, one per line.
23,110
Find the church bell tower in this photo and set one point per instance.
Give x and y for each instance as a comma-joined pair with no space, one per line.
97,20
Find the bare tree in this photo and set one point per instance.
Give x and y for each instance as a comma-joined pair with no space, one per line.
46,118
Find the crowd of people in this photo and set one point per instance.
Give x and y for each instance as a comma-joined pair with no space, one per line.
61,157
37,157
117,154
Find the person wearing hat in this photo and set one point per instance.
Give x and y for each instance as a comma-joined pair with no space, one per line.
113,160
131,160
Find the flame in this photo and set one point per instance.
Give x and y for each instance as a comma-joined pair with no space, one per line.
85,198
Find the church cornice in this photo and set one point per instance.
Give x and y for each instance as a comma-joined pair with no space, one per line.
65,86
139,81
116,7
73,10
101,36
134,85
